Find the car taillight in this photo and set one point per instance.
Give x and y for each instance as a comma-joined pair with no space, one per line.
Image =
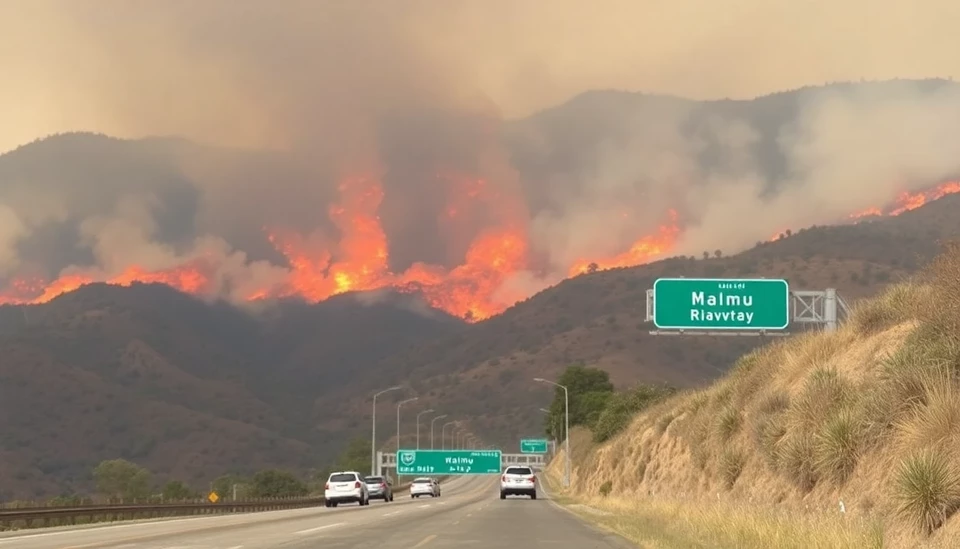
383,485
326,486
357,485
532,479
503,478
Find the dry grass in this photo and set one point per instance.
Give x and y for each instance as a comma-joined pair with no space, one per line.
869,414
677,525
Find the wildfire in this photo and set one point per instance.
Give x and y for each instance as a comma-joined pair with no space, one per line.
359,259
642,251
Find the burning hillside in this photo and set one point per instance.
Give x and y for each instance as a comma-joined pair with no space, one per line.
359,260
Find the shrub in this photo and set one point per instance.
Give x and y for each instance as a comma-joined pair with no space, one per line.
728,422
605,488
795,459
838,446
621,408
731,465
928,490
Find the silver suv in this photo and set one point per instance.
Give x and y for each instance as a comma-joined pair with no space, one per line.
518,480
344,487
379,488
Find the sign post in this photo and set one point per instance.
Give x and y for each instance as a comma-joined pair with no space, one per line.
533,446
721,304
448,462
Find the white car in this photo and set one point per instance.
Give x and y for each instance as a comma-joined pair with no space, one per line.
518,480
345,487
424,486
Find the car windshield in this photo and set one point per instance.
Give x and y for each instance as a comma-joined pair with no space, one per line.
519,471
374,480
343,477
422,481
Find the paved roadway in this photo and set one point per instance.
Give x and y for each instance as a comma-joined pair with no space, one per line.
469,514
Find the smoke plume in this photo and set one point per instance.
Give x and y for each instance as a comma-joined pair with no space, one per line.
340,146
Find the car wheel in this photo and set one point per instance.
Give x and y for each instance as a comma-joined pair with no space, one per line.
503,495
391,497
533,495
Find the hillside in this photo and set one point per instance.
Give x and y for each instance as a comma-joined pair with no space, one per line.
864,421
191,385
599,319
191,389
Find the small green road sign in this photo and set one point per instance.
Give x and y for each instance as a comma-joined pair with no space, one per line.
721,304
448,462
533,446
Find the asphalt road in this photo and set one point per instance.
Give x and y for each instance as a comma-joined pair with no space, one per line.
469,514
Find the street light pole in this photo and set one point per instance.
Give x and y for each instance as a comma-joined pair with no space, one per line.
432,421
566,428
399,404
373,434
443,439
552,428
418,425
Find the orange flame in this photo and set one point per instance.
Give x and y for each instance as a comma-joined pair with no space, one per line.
642,251
360,259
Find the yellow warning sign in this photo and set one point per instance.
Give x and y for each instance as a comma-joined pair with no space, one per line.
213,497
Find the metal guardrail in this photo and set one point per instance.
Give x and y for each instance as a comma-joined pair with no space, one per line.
32,517
51,515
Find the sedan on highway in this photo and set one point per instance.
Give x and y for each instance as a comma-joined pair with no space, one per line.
344,487
379,488
424,486
520,481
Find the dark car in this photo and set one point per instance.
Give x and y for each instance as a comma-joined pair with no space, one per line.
380,488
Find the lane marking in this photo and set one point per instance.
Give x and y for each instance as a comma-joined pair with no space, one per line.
425,541
318,528
424,506
237,547
391,514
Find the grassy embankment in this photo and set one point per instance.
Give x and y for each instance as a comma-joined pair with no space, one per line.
866,419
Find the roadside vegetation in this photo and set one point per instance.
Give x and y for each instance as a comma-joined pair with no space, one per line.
844,439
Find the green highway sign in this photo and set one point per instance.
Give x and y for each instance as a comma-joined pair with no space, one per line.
721,304
448,462
533,446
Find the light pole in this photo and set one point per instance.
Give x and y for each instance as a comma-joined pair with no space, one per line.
373,434
399,404
432,421
443,439
553,428
566,428
418,425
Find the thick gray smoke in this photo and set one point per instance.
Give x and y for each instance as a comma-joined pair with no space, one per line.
291,97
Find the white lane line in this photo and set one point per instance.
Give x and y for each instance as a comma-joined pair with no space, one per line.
424,506
318,528
391,514
237,547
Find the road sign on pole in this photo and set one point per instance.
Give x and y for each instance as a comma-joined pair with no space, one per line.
533,446
721,304
448,462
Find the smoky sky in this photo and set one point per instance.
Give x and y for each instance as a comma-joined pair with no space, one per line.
279,101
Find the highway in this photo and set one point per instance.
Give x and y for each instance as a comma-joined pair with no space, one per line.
468,514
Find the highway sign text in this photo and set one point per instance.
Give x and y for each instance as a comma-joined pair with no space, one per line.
533,446
448,462
721,304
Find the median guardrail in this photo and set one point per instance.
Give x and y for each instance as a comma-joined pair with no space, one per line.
40,516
